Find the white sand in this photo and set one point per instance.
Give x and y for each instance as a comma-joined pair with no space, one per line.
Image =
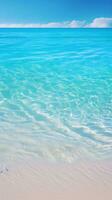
46,181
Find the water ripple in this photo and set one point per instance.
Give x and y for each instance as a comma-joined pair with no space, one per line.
55,103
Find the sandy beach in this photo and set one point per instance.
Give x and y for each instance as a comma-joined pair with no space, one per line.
32,181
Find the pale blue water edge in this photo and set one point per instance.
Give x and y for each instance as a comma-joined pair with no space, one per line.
55,94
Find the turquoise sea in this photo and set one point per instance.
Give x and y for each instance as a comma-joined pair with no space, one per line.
55,94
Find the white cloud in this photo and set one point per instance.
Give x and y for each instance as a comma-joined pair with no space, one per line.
101,23
96,23
76,24
66,24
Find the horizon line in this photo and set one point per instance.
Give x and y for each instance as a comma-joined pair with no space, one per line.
55,27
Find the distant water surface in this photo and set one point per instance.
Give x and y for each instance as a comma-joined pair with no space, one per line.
55,94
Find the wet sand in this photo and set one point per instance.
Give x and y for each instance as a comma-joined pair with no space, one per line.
51,181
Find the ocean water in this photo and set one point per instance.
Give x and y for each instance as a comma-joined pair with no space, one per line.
55,94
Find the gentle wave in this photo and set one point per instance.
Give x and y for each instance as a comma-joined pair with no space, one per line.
55,94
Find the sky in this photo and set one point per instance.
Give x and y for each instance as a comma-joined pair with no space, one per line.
56,13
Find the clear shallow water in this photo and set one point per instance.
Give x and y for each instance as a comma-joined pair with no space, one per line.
55,94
